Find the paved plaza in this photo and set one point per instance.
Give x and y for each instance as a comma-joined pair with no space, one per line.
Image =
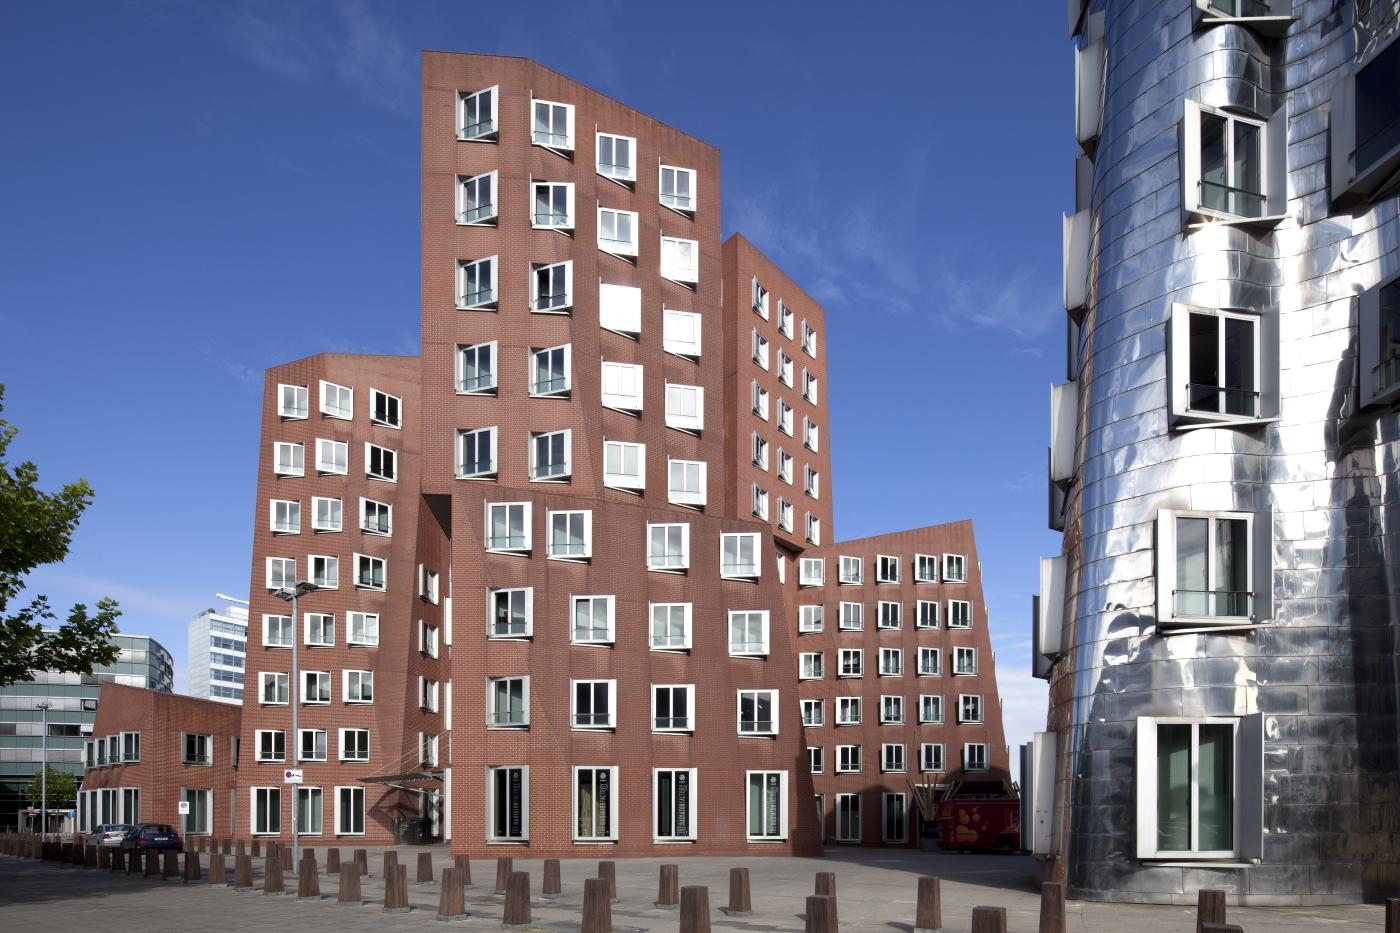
875,889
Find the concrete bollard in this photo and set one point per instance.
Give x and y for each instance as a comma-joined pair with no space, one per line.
90,855
104,857
928,912
821,913
133,862
988,920
194,874
1221,928
451,903
226,844
695,909
218,871
463,864
391,861
308,879
362,860
333,862
552,888
668,892
284,855
239,850
257,849
152,864
243,873
826,883
425,868
1052,907
608,871
396,889
1392,915
273,882
597,906
1210,907
517,911
740,904
118,859
504,866
349,891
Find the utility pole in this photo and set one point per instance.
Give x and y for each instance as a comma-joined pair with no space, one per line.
290,594
44,768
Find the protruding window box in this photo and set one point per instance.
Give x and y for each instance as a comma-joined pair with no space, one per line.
1270,18
1222,367
1233,167
1365,128
1214,570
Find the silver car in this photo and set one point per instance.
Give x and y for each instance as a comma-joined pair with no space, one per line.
108,834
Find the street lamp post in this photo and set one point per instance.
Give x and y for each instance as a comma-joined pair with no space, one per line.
44,768
290,594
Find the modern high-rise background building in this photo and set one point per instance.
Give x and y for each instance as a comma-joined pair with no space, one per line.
576,585
1219,632
72,709
217,653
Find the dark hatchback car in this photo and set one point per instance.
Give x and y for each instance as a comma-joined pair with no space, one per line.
152,836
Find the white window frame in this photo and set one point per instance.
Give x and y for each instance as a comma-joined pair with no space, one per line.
388,457
280,687
350,810
554,386
567,467
315,627
688,690
811,434
760,502
615,170
970,708
886,568
813,714
429,639
887,802
281,572
510,545
369,561
357,687
492,469
381,509
610,808
759,400
784,368
290,522
760,350
1273,206
471,271
974,760
368,625
685,407
892,758
811,618
323,570
811,571
683,494
889,614
811,665
681,204
620,309
492,830
315,688
614,377
774,723
892,711
852,616
492,707
850,803
784,420
740,569
681,333
337,401
550,137
959,614
469,191
611,218
1263,363
284,624
552,220
925,568
569,516
809,339
848,711
270,753
356,750
850,662
332,457
926,613
816,759
765,779
272,809
610,687
672,563
555,302
933,757
954,568
293,402
935,669
320,518
669,609
891,662
609,634
964,661
747,648
312,734
528,612
484,130
1167,560
483,384
288,459
930,708
852,572
616,479
848,759
672,251
760,451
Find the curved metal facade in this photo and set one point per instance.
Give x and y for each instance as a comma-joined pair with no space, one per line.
1318,662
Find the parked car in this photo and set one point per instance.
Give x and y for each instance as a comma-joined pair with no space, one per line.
108,834
152,836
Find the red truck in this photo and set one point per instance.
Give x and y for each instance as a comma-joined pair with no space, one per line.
985,820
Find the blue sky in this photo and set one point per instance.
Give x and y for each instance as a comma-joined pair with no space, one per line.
196,191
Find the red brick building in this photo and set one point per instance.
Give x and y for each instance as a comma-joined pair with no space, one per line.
558,553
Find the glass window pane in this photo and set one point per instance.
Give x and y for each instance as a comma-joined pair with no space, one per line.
1217,788
1174,787
1192,584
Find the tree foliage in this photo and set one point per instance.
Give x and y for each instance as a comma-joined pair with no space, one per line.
63,788
36,528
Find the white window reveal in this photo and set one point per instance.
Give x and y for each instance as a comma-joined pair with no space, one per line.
670,626
1222,365
508,526
292,402
680,333
595,803
337,401
748,633
686,482
593,620
624,465
668,547
477,114
620,309
758,712
550,456
678,188
381,463
617,157
288,459
570,534
1233,166
476,199
553,125
510,612
551,287
680,260
617,231
811,571
553,205
685,407
476,283
622,386
549,371
476,454
739,556
1206,568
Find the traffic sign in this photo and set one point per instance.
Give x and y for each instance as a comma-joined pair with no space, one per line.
184,808
291,776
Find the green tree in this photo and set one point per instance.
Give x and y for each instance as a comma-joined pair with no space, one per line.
63,788
36,528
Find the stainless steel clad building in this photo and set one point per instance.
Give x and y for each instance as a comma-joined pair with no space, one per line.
1219,631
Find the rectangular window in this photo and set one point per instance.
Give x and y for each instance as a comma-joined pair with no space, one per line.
847,759
850,570
964,660
381,463
288,459
811,434
292,401
312,746
930,662
785,319
308,803
620,309
930,708
954,568
427,694
376,518
624,465
277,631
975,756
894,812
549,456
476,114
315,687
848,711
476,368
811,483
816,762
785,420
886,569
758,712
767,805
810,665
680,260
760,502
891,757
476,283
198,749
678,188
617,157
337,401
891,615
428,639
332,457
476,199
508,803
593,704
685,407
595,803
811,618
931,757
925,568
811,572
362,628
848,817
320,630
748,633
851,662
428,749
686,482
852,617
354,745
273,691
570,534
969,707
508,702
959,613
508,526
350,811
760,349
476,453
553,125
927,614
617,231
553,205
593,620
670,626
809,386
369,572
784,368
784,514
891,710
1205,563
671,707
272,744
622,386
285,516
680,333
428,584
674,803
357,686
1215,362
760,400
266,810
891,662
814,529
760,451
668,547
809,339
509,613
813,713
738,556
326,514
1196,795
1231,170
551,287
199,820
324,571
